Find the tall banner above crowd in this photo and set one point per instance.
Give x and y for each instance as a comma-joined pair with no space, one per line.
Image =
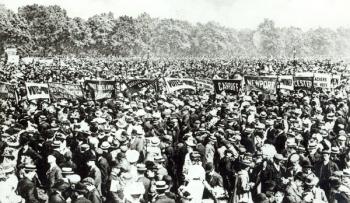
99,89
286,82
303,82
229,86
175,84
265,84
7,91
136,85
37,91
65,91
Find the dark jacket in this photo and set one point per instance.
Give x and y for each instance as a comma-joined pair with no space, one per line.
27,190
56,197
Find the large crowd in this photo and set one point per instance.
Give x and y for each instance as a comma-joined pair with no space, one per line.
188,146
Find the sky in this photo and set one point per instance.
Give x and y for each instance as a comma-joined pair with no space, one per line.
231,13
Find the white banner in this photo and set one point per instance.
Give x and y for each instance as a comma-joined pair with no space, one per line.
37,91
322,80
175,84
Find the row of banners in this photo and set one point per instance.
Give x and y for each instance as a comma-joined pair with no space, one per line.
103,89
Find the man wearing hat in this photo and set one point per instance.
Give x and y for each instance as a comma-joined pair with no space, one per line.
26,187
54,173
294,189
313,193
324,169
95,173
80,191
141,169
273,171
57,195
92,193
161,197
103,165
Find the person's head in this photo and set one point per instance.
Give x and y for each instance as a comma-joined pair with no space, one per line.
51,159
299,179
279,196
325,155
91,162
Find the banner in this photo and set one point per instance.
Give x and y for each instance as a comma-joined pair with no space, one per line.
322,80
286,82
65,91
7,91
229,86
266,84
303,82
37,91
99,89
175,84
335,81
204,84
136,85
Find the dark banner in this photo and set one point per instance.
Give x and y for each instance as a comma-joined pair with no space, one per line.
136,85
7,91
65,91
229,86
304,83
265,84
99,89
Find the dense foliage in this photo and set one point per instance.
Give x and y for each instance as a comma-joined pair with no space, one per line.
47,30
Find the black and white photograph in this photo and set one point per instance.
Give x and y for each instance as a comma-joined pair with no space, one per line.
174,101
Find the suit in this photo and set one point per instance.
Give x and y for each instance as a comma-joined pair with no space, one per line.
81,200
95,173
27,190
104,167
53,174
56,197
94,196
162,198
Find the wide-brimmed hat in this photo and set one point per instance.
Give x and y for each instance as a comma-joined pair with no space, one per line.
132,156
67,171
121,123
105,145
161,185
61,185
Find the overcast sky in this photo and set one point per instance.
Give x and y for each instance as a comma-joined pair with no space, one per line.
231,13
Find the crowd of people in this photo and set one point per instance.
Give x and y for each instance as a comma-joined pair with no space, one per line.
187,147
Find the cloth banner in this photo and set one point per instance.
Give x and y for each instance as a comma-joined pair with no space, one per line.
205,84
303,82
175,84
37,91
7,91
322,80
65,91
335,81
286,82
265,84
136,85
229,86
99,89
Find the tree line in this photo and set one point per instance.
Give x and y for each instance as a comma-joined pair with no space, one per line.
48,31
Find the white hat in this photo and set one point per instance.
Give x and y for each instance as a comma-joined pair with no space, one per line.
132,156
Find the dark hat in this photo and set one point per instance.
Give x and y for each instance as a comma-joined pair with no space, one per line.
88,181
299,176
326,151
209,166
81,188
61,185
306,164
